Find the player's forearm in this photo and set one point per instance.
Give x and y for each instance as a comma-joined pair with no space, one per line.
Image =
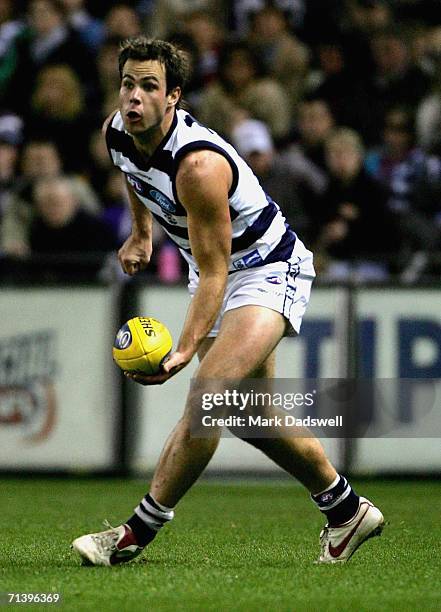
202,313
142,220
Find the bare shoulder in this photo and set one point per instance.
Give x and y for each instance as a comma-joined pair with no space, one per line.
203,181
204,164
107,121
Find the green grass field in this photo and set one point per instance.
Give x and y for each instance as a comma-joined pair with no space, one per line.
232,546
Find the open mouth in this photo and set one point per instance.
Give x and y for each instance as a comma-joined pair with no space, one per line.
133,115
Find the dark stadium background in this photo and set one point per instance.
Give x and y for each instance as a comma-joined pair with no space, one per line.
336,104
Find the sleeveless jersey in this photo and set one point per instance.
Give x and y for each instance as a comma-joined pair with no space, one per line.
260,234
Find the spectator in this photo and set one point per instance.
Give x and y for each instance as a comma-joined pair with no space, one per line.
253,142
370,15
39,159
241,89
305,156
48,40
194,85
242,12
59,114
12,30
428,116
367,72
11,27
108,76
397,148
283,56
420,48
115,210
62,227
99,164
334,83
6,12
351,222
412,178
208,37
361,20
122,21
315,122
89,29
11,136
395,81
169,15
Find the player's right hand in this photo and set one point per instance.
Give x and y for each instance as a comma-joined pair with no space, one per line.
134,255
171,366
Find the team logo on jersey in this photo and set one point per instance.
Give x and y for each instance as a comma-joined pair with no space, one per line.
136,184
248,261
274,280
147,191
162,200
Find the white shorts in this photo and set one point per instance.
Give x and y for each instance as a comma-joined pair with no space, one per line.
284,286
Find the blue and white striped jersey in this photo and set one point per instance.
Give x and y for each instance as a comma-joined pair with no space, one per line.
260,234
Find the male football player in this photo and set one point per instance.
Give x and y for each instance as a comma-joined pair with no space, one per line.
233,237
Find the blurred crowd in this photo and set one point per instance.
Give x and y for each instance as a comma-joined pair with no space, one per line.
335,104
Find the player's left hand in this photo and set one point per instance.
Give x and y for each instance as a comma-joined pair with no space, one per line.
169,368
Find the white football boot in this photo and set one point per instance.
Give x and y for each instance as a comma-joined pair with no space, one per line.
340,542
116,545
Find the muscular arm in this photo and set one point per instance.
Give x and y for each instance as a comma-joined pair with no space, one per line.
202,183
135,253
142,219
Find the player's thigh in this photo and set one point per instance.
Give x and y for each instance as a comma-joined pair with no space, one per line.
205,346
244,348
265,371
246,340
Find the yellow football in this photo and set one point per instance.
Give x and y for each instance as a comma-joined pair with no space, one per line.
141,345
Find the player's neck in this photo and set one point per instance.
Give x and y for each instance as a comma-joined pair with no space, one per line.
148,141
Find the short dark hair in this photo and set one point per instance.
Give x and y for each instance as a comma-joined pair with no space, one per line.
174,60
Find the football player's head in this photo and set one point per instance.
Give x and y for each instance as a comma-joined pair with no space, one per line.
173,60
